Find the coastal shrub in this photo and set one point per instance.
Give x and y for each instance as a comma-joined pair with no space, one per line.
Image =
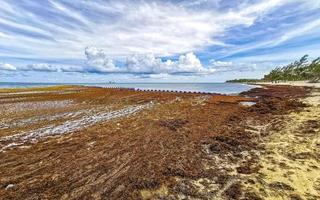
301,70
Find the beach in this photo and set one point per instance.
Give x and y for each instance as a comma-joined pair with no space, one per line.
292,83
76,142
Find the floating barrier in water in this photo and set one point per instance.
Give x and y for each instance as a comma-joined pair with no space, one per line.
162,90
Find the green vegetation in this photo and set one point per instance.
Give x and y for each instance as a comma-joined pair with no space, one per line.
301,70
244,80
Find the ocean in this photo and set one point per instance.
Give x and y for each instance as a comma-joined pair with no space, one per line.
222,88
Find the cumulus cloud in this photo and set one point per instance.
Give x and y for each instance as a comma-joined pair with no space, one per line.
149,64
98,61
144,64
7,67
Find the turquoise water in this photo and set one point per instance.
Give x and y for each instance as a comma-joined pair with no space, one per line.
223,88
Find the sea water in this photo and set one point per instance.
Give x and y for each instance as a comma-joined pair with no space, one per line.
222,88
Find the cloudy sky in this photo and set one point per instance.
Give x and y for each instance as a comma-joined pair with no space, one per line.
153,41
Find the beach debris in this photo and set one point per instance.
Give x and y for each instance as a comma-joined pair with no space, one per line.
9,186
247,103
208,151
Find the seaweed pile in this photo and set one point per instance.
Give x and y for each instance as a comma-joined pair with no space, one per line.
186,146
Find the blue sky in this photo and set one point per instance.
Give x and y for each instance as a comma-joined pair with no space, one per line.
153,41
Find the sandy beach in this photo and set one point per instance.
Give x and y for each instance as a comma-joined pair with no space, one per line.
293,83
72,142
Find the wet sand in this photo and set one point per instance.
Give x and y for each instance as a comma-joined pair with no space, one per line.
71,142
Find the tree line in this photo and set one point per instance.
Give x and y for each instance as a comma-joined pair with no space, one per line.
243,80
300,70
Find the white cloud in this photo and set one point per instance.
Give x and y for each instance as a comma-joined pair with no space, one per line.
148,64
98,61
226,66
126,27
218,63
140,33
7,67
144,64
42,67
305,29
190,63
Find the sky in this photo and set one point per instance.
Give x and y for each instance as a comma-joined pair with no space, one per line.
72,41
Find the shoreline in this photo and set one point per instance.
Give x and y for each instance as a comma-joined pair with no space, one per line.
189,145
290,83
